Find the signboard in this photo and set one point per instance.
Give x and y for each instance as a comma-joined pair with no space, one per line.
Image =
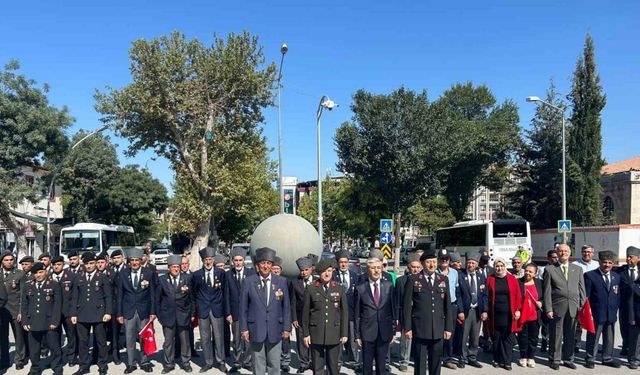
385,237
386,225
564,226
386,250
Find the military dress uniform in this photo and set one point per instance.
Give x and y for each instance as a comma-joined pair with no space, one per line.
67,281
12,281
41,308
111,328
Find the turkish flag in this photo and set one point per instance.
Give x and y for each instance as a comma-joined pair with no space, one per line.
529,309
148,337
586,319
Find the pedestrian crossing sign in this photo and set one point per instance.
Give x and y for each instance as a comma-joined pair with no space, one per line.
386,225
386,250
564,226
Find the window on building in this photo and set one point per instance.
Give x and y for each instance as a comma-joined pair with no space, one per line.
608,209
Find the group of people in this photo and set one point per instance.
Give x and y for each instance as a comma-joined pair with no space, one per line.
442,306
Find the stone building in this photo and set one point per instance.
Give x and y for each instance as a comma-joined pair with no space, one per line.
621,191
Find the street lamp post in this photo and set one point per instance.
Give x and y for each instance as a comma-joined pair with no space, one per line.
534,99
53,180
325,103
283,50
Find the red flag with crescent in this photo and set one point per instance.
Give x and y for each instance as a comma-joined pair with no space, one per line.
586,318
148,336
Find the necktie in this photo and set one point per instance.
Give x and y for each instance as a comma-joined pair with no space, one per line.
40,285
376,293
6,275
607,281
238,276
265,290
88,277
345,280
326,288
565,271
474,290
175,282
633,274
209,279
135,280
58,278
431,280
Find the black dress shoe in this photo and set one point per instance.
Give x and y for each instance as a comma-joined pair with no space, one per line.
117,362
147,367
589,364
612,363
205,368
167,369
234,369
19,366
82,371
506,367
632,366
186,368
461,364
570,365
475,364
130,369
222,367
494,364
301,370
284,369
554,366
102,371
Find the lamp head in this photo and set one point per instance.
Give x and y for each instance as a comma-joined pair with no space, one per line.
284,48
533,99
328,104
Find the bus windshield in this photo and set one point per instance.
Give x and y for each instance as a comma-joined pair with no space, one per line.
502,229
117,239
461,236
80,240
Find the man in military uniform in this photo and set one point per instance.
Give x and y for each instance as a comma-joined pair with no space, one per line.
136,291
74,261
175,312
297,288
232,292
67,281
9,313
26,263
92,308
103,268
115,331
325,320
45,258
427,314
207,286
41,312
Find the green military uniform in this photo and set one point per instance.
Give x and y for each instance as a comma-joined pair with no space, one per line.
325,320
12,280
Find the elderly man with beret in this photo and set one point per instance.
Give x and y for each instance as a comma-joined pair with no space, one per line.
10,312
628,275
265,314
472,309
297,288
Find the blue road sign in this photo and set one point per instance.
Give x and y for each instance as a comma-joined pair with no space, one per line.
386,225
564,226
385,237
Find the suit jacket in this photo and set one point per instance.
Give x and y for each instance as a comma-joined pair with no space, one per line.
626,295
325,315
92,300
560,295
350,292
142,300
12,285
400,287
464,302
371,321
265,323
42,307
233,291
209,299
175,305
68,281
427,309
296,294
632,305
604,303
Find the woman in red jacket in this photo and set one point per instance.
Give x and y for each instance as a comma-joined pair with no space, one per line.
505,300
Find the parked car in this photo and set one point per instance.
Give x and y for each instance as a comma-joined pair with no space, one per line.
248,262
159,256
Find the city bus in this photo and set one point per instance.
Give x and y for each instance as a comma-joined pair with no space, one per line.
94,237
500,237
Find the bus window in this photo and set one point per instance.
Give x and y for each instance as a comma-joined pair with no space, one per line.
80,240
118,239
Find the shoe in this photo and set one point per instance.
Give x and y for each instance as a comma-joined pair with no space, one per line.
633,366
475,364
589,364
449,365
167,369
301,370
554,366
186,368
130,369
404,368
234,369
531,363
147,367
117,362
102,371
387,367
222,367
285,369
205,368
506,367
248,367
82,371
461,364
19,366
522,362
494,364
612,363
570,365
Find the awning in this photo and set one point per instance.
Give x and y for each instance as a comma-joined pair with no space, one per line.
43,220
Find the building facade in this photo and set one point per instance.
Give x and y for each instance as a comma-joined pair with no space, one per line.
620,183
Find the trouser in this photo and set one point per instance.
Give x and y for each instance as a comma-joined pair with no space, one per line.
116,336
241,354
37,339
266,357
471,336
325,356
351,351
458,339
227,339
577,335
100,344
605,330
544,342
171,335
212,334
431,349
625,328
303,351
70,332
131,329
19,335
374,350
528,339
561,331
502,345
633,336
405,349
285,356
447,355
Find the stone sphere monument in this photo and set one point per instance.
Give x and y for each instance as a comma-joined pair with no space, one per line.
290,236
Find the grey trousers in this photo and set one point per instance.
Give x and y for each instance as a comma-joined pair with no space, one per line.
351,350
562,330
285,357
181,333
471,336
405,349
241,353
212,334
266,358
131,329
607,332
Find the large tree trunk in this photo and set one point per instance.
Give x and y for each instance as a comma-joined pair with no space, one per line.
201,241
16,227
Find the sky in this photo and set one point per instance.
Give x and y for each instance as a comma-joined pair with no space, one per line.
337,48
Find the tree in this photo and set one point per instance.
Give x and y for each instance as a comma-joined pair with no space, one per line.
585,141
537,181
430,214
31,134
197,106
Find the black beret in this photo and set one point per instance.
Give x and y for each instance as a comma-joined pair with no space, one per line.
116,253
26,259
88,257
72,253
44,255
102,256
428,254
324,264
6,253
38,266
57,259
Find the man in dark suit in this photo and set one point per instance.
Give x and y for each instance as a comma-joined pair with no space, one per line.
67,281
41,311
325,320
297,288
427,314
265,314
413,267
103,268
175,312
632,305
348,279
472,310
375,317
136,305
564,294
628,275
207,285
603,290
232,292
115,330
9,313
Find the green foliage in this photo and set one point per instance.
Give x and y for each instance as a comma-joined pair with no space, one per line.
430,214
585,141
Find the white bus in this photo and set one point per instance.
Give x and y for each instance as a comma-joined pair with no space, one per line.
84,237
500,237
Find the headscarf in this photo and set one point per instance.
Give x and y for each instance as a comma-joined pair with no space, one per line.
500,260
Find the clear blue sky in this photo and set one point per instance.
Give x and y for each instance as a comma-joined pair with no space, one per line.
338,47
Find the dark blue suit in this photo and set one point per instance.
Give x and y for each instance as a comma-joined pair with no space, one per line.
351,349
142,300
265,323
604,308
175,309
232,294
471,328
210,309
626,297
